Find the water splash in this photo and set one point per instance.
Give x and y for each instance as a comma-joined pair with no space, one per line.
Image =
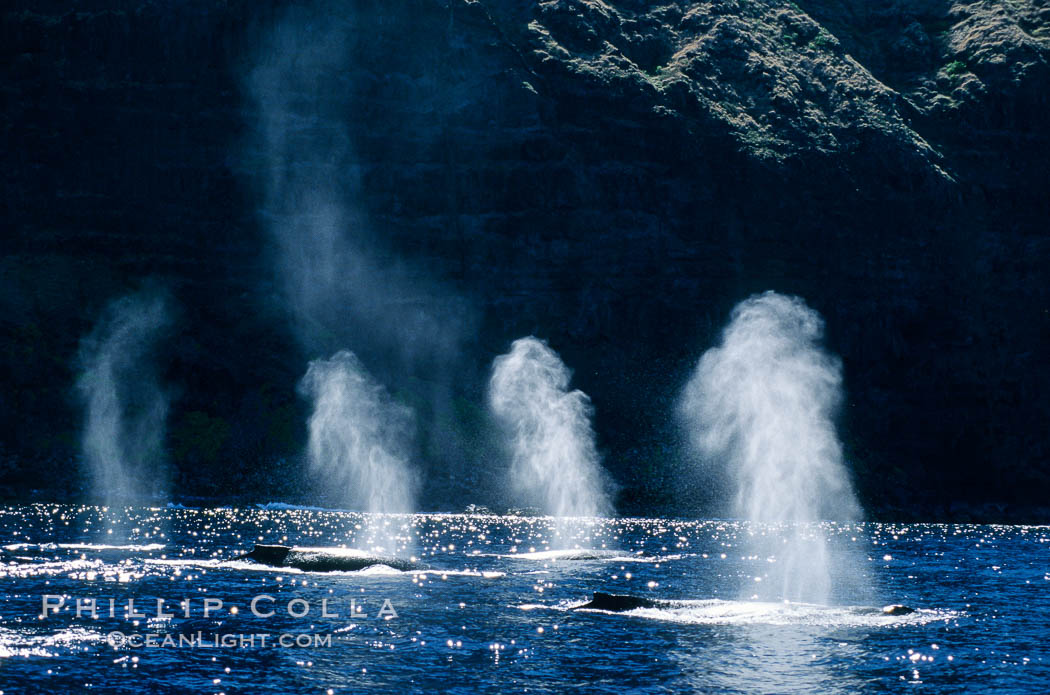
762,405
125,408
555,463
359,443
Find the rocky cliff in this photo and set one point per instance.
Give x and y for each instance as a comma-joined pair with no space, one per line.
612,176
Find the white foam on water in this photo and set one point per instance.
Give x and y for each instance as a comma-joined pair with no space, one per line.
44,569
16,643
484,574
721,612
14,547
31,546
573,554
580,555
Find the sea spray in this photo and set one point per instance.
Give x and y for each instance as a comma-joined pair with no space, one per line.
125,408
762,404
555,463
359,444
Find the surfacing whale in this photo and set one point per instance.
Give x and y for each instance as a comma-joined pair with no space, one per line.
325,559
620,603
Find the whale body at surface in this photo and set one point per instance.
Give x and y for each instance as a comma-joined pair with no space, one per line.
618,603
897,609
621,603
325,559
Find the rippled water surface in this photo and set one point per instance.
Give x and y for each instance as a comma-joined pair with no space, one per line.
495,611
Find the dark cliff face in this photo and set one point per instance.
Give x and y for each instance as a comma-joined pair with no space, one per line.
611,176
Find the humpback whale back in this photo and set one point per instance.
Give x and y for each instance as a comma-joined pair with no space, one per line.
621,603
618,603
325,559
267,554
897,609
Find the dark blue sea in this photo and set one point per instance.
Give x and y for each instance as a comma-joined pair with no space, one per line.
494,614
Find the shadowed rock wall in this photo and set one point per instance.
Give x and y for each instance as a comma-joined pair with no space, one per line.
612,176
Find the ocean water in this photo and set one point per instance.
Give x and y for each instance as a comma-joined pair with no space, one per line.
495,611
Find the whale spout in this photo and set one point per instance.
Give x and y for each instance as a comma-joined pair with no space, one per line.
325,559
